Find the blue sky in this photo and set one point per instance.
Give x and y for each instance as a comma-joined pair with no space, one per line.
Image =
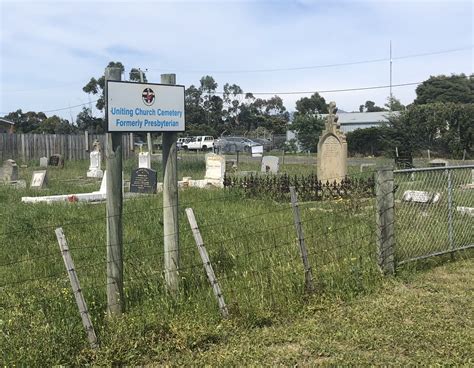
50,49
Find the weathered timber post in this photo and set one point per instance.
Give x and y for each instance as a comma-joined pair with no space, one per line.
76,288
308,274
114,202
170,203
207,263
385,220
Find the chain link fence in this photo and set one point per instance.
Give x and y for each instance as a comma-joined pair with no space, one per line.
434,211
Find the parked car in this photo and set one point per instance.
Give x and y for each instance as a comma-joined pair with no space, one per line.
235,144
266,143
201,142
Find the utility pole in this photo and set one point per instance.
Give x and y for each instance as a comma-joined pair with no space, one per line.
391,97
170,203
114,203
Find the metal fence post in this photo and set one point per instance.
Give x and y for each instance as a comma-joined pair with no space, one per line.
385,220
450,210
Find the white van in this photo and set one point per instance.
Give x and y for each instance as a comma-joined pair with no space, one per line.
201,142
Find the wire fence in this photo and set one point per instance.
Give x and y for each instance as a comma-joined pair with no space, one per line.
252,246
252,243
434,211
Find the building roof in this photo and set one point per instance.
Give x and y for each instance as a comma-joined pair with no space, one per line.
347,118
5,121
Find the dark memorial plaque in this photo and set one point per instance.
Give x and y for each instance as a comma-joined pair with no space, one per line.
143,181
56,160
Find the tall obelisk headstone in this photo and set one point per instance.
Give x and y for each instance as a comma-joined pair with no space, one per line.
332,149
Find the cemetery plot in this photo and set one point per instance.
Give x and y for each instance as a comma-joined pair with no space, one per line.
427,216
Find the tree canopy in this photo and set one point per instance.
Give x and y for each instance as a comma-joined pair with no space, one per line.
457,88
307,122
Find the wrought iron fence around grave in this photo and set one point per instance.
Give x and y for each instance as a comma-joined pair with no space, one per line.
308,187
434,211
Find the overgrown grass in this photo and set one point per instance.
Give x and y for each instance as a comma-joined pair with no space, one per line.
251,242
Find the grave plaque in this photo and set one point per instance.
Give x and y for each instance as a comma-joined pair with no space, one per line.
143,180
332,150
56,160
38,180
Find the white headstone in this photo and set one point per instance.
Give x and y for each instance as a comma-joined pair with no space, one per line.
215,167
420,196
94,167
270,164
43,162
465,210
144,160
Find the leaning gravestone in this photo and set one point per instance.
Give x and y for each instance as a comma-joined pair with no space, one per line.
38,180
332,150
9,171
144,160
43,162
270,164
143,180
56,160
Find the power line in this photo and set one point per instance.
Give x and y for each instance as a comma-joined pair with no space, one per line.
321,66
271,93
60,109
329,90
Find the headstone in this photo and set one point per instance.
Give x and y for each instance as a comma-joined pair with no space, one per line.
94,167
38,180
144,160
257,151
270,164
143,180
465,210
43,162
215,167
420,196
438,162
56,160
9,171
332,149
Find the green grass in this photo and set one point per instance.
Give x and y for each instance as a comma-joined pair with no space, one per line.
254,250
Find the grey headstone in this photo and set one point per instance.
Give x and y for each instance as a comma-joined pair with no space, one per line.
43,162
9,171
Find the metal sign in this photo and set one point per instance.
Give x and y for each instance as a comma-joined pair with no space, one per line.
144,107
